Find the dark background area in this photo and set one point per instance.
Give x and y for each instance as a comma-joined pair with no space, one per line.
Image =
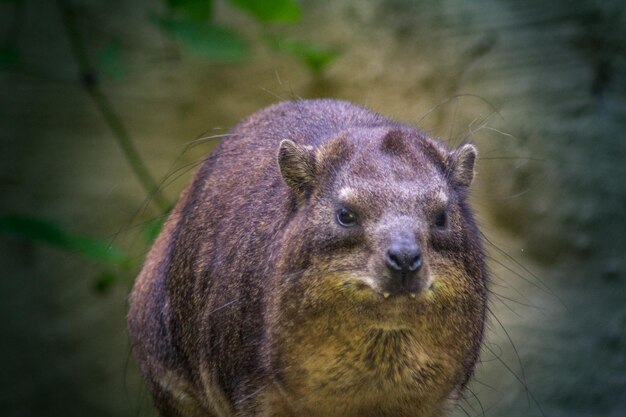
539,86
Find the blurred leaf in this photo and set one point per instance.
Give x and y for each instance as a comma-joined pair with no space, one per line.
8,56
271,10
152,228
200,10
315,57
204,39
110,63
48,232
105,281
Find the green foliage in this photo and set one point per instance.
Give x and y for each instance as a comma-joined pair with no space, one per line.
188,22
205,39
286,11
198,10
110,63
315,57
48,232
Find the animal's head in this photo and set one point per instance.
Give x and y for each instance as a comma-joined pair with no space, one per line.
382,209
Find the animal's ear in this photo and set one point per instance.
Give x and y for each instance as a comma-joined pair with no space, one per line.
461,165
297,166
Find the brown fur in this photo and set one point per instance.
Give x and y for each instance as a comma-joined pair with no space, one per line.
254,301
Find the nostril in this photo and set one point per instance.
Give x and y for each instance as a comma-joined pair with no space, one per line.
415,260
393,260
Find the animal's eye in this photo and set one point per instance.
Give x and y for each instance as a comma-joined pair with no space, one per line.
441,219
346,217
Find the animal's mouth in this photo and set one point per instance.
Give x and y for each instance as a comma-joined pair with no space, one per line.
371,286
410,294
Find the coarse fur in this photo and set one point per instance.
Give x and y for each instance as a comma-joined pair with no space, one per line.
256,301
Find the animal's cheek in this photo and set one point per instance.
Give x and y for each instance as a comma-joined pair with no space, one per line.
454,299
450,283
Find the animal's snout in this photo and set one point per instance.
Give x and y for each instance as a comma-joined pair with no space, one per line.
404,258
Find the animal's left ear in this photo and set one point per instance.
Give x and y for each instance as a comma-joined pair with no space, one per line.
461,165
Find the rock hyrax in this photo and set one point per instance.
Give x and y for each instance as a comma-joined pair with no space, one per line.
323,262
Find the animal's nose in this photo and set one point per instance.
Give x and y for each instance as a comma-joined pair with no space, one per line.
404,258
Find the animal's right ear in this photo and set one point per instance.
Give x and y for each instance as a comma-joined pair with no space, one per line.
297,166
462,161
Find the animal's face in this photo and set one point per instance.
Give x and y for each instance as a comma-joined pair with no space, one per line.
383,210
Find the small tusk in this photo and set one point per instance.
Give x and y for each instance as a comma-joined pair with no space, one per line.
413,295
386,294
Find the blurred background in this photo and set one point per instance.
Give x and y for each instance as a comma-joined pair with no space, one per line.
107,107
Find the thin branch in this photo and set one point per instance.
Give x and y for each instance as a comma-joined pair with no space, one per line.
90,83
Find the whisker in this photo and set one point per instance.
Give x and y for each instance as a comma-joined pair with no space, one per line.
457,96
529,394
231,302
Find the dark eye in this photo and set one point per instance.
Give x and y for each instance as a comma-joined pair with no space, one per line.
346,217
441,219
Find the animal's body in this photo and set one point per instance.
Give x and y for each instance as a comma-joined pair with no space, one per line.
324,262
